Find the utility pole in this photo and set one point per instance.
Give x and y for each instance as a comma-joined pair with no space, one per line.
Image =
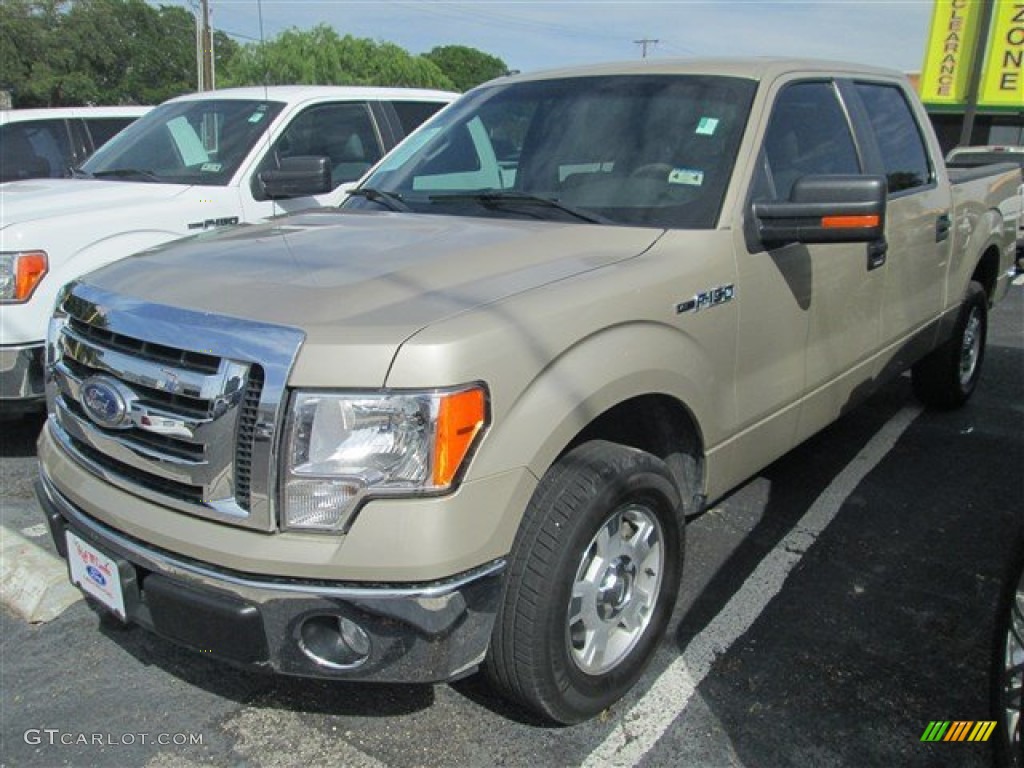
204,47
643,43
977,64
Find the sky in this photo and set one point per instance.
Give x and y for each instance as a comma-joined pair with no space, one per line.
539,34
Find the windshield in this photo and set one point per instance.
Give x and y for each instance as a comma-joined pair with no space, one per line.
185,142
647,150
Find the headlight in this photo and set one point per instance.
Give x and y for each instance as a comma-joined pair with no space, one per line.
343,448
20,273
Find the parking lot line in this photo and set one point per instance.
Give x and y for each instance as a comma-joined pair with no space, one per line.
640,729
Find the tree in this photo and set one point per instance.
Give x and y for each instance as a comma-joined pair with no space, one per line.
466,67
320,56
60,53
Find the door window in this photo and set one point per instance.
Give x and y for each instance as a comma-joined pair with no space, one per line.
808,135
345,133
899,139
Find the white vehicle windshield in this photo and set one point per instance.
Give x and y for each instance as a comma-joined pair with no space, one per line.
645,150
185,142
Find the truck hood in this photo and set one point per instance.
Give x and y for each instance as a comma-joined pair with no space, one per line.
365,279
35,199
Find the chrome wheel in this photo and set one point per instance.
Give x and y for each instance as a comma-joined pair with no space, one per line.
970,347
1013,676
615,590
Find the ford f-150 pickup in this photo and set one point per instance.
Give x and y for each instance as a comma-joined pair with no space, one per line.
459,423
195,163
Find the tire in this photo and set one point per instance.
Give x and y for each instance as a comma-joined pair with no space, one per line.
946,378
592,581
1008,668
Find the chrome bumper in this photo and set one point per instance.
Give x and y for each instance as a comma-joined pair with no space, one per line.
420,633
21,376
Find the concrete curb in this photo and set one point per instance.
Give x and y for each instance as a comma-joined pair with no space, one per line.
33,583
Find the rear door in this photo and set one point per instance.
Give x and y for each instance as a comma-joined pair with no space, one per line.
918,224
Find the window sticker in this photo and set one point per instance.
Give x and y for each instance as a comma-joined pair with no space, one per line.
707,126
211,167
688,176
255,117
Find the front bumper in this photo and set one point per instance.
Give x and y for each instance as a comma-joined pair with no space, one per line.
420,633
21,376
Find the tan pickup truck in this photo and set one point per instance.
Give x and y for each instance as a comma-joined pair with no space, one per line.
460,422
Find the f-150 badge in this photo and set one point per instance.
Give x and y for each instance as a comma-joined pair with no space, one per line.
707,299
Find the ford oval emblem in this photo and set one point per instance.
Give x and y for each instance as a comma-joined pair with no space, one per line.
96,575
107,402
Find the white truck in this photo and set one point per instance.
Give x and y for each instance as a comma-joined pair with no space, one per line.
195,163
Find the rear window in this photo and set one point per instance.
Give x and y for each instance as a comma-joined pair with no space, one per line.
899,138
34,149
412,114
103,129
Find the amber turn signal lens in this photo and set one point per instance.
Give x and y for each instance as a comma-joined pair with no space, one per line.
29,269
850,222
460,418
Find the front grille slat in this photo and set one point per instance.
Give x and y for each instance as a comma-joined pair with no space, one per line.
193,361
246,435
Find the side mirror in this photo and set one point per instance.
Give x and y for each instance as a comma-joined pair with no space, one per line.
826,209
298,176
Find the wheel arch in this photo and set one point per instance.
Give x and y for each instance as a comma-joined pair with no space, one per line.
645,385
987,270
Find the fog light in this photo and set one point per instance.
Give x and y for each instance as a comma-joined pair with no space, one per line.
334,641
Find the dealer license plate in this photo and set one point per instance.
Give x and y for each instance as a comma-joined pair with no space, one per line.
95,573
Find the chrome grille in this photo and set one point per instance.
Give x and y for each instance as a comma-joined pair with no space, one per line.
175,406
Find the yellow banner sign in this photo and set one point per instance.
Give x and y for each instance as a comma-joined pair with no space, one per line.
1002,83
950,52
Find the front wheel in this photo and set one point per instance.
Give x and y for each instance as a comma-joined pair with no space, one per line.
946,378
592,582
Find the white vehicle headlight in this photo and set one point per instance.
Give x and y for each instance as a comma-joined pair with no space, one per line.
342,448
20,273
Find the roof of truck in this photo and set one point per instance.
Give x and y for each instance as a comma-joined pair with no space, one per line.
300,93
752,68
62,113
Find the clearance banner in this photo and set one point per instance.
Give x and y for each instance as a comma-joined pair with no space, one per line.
948,58
1002,80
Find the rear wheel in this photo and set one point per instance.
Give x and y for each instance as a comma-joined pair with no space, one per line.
592,582
947,377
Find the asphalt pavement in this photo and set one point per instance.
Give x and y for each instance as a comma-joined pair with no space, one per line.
833,607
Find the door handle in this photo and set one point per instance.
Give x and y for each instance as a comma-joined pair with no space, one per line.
942,226
877,252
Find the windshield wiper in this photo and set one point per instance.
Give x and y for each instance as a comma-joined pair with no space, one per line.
78,173
391,200
122,173
498,199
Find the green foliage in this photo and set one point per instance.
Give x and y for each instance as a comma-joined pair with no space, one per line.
55,53
74,52
321,56
466,67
